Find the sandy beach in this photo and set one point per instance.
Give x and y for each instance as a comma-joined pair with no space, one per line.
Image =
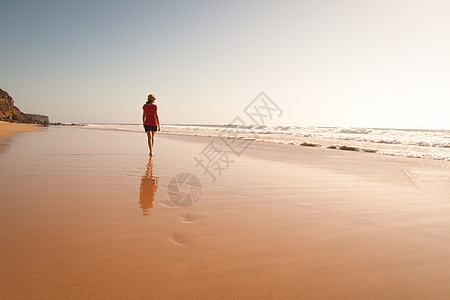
85,214
8,129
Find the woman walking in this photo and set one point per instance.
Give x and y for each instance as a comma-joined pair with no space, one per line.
151,120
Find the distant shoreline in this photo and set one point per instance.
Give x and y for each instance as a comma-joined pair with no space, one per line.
275,125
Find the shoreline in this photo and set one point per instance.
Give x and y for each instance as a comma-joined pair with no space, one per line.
9,129
382,147
375,167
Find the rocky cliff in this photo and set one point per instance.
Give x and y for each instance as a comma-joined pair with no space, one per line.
40,118
9,112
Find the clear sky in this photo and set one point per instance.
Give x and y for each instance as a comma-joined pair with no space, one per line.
361,63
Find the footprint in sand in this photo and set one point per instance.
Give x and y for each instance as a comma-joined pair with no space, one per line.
180,238
189,218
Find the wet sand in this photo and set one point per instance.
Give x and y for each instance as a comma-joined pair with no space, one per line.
85,214
8,129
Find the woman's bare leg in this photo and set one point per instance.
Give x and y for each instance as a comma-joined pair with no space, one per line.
150,144
153,139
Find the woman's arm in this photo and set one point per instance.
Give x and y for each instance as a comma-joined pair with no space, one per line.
143,117
157,120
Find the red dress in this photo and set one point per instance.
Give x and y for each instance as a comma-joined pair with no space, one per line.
150,114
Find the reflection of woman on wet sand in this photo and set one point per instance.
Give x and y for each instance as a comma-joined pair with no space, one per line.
149,184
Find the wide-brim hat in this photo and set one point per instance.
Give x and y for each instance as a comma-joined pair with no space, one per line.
151,96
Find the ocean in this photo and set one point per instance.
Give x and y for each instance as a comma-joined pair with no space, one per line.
417,143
